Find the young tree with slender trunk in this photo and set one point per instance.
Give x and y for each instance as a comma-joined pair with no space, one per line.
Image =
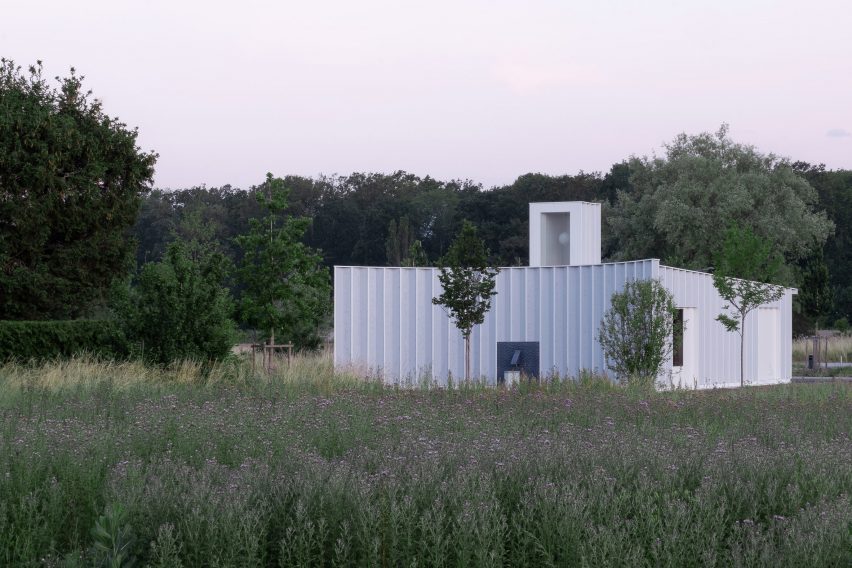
468,284
744,273
285,287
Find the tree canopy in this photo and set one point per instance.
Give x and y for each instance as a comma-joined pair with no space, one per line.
468,283
71,178
699,186
746,276
681,204
286,289
835,199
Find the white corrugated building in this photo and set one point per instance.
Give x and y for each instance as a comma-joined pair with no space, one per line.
546,316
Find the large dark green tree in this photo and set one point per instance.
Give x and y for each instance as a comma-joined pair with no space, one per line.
285,288
71,178
679,206
468,284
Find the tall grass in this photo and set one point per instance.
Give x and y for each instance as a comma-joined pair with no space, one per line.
216,467
304,371
839,349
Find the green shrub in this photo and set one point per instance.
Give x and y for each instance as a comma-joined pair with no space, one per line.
635,332
179,308
25,340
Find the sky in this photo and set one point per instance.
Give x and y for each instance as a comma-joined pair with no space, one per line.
485,90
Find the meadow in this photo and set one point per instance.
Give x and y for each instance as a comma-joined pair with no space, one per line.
839,349
110,464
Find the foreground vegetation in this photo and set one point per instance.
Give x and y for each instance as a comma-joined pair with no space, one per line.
195,467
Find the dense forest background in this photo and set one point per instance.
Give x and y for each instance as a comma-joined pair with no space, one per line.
373,219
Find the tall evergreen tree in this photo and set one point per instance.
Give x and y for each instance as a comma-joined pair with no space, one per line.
71,178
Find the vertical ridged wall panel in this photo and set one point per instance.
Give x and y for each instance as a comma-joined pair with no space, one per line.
342,315
718,350
560,319
546,331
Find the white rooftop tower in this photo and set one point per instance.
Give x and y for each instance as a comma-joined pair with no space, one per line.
565,233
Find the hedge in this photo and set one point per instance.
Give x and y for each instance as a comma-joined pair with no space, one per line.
25,340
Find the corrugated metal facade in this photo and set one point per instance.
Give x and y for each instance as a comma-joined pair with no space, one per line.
718,351
385,323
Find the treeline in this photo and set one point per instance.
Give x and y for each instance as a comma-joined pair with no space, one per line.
367,219
374,219
77,204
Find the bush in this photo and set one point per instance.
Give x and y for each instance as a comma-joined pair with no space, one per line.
636,332
25,340
179,308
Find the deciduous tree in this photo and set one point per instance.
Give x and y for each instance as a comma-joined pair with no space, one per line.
285,288
743,276
179,307
636,332
398,241
468,284
834,188
681,204
416,256
816,297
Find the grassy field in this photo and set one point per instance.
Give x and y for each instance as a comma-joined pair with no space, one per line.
839,349
176,467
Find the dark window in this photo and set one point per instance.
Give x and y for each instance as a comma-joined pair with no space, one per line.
519,356
677,347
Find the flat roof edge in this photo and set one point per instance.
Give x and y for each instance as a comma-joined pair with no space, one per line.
507,267
793,290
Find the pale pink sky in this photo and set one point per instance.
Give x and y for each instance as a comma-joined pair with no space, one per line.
486,90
